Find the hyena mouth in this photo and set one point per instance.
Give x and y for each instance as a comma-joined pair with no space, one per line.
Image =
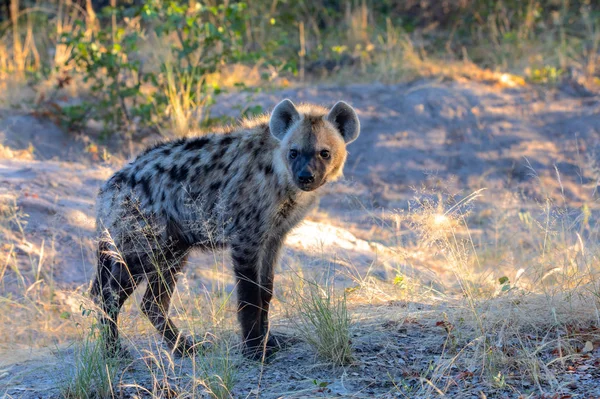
311,186
308,187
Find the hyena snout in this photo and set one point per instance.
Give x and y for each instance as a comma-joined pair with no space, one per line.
309,173
307,180
306,177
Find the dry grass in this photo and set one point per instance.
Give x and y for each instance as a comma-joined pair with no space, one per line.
33,44
323,322
185,113
519,300
34,311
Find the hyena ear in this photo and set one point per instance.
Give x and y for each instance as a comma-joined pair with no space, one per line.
344,118
283,116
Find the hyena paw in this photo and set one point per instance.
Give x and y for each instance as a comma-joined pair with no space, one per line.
274,343
261,351
258,353
281,341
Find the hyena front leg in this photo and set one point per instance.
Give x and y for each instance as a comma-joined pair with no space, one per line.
271,251
155,305
246,267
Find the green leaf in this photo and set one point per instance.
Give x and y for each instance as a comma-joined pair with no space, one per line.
398,280
503,280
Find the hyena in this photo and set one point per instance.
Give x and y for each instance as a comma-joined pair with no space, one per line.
243,189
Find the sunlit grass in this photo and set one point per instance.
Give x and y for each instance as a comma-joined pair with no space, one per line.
324,322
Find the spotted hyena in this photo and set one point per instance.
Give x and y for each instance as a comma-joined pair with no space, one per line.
242,189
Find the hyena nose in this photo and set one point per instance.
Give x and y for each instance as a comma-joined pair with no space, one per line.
306,177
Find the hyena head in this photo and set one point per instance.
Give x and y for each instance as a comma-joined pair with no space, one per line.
313,141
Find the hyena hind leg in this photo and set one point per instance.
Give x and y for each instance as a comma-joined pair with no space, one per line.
111,288
155,305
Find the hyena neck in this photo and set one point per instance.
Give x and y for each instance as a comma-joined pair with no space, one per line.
299,201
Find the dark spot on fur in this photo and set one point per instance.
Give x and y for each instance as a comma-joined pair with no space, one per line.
215,186
196,144
209,167
159,168
268,170
220,166
146,188
132,181
163,197
226,140
179,173
221,153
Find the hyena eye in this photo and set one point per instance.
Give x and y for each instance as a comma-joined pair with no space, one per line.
293,154
325,154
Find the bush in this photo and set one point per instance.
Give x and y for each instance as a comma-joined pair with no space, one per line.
125,96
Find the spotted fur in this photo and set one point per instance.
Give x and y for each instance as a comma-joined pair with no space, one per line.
238,189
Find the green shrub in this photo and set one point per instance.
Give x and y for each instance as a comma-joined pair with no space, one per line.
206,38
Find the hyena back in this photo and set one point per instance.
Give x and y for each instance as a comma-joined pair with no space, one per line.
243,189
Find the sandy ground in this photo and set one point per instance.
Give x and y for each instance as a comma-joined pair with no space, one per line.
421,138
